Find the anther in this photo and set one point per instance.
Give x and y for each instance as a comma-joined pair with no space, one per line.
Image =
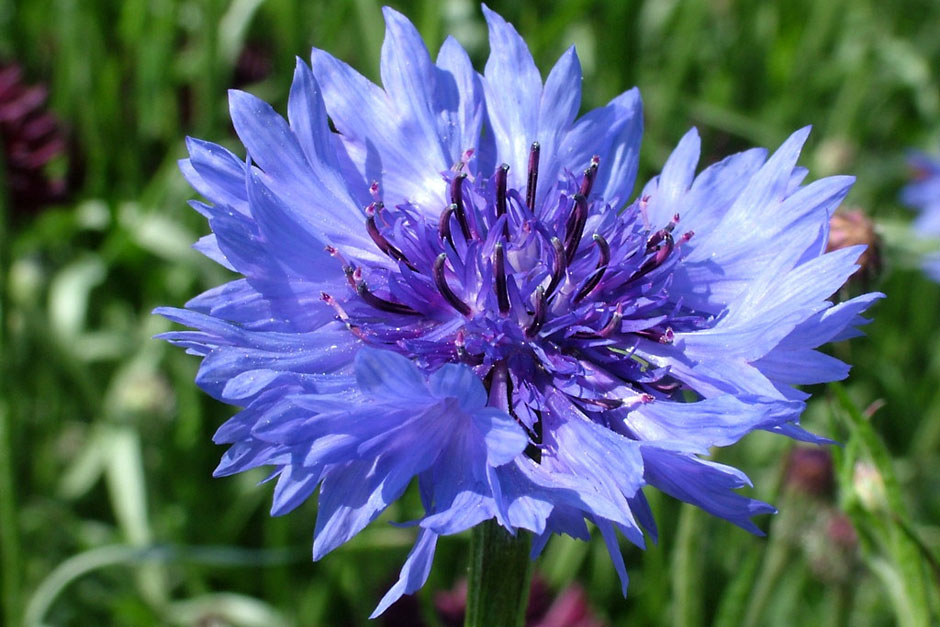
456,199
464,160
502,292
538,318
559,265
384,245
342,315
672,223
382,304
340,312
374,191
501,175
604,250
685,237
574,229
662,252
663,337
347,267
463,354
606,403
589,175
444,288
533,179
350,273
443,226
612,326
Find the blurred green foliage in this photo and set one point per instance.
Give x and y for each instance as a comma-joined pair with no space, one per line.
108,513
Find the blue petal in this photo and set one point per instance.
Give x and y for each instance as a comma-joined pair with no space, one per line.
802,367
386,375
612,133
558,107
215,173
513,88
718,421
613,549
460,382
675,180
504,438
270,141
409,80
459,83
294,485
704,484
414,573
376,141
616,179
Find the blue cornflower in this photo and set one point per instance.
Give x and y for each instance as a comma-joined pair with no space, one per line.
447,288
923,194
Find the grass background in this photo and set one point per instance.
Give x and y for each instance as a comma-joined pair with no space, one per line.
108,513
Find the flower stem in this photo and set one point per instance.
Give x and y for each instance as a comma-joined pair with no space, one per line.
500,572
10,559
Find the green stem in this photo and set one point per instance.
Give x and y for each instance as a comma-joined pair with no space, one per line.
10,568
500,572
9,540
687,569
776,559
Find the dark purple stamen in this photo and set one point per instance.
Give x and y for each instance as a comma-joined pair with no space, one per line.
559,265
662,337
342,315
463,354
538,318
660,235
456,199
382,304
606,403
501,175
612,326
502,293
443,226
384,245
533,179
664,250
589,175
672,223
348,270
444,288
350,273
574,229
602,261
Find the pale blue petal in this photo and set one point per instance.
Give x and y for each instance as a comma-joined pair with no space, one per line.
414,573
386,375
460,382
513,89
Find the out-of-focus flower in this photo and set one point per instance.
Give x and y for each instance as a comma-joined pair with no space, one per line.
851,227
869,486
446,289
923,194
569,608
830,544
253,65
809,471
30,137
812,521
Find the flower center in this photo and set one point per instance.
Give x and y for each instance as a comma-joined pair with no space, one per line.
553,287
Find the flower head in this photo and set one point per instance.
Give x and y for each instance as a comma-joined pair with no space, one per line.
447,288
30,138
923,194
